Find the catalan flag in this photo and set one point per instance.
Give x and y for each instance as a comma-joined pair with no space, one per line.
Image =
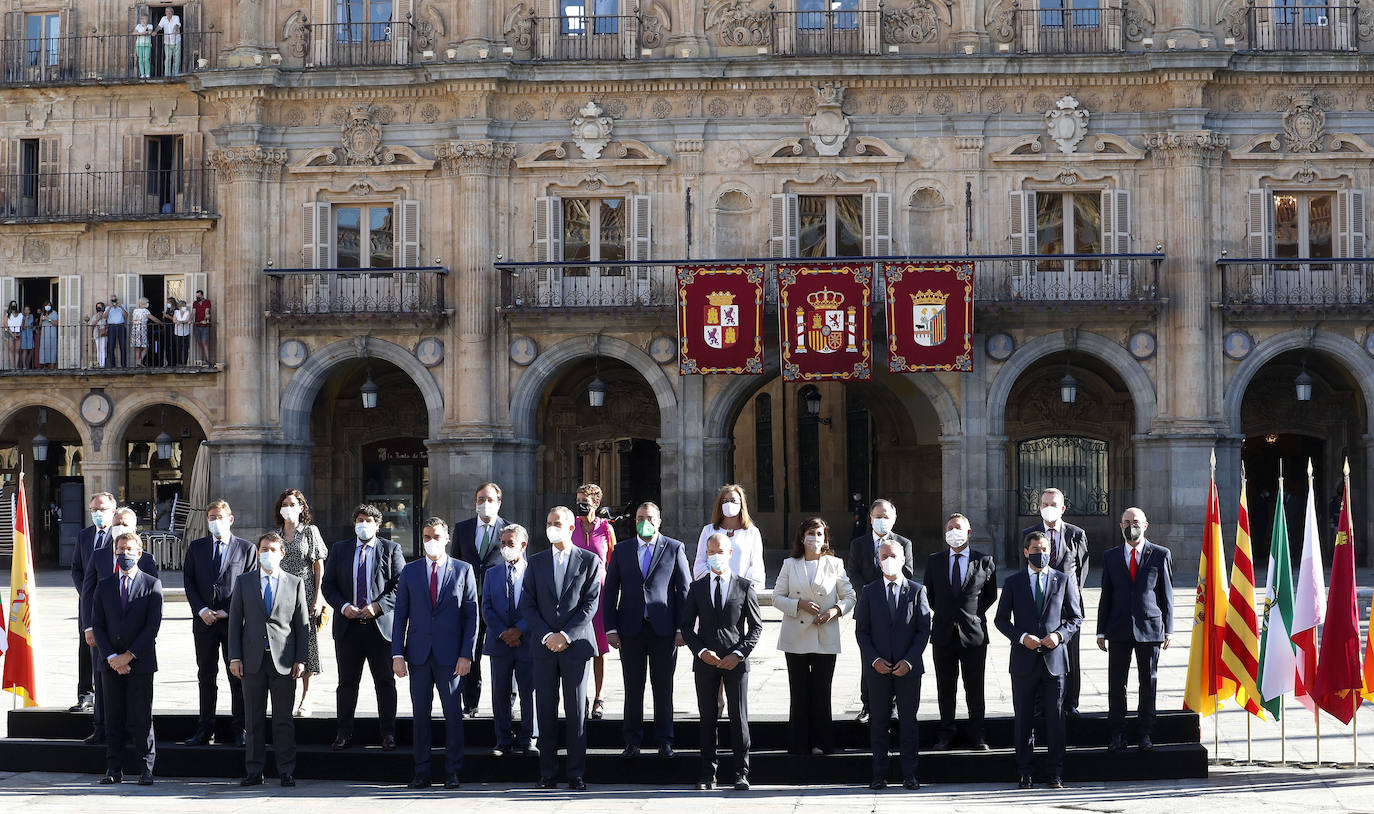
1277,661
1202,693
1309,605
20,675
1338,681
1240,644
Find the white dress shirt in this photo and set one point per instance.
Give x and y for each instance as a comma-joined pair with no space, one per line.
721,581
482,526
519,579
560,574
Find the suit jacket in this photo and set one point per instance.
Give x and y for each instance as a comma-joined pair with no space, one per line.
207,588
629,599
830,588
961,610
892,640
337,585
862,563
1142,609
448,629
286,628
1017,616
118,629
99,568
85,544
736,629
498,614
464,546
547,610
1072,558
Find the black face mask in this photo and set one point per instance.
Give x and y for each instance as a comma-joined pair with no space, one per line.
1039,560
1132,533
583,509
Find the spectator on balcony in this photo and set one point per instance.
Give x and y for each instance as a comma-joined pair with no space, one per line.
14,322
47,340
201,311
26,339
143,46
117,323
140,319
163,341
99,332
170,26
181,339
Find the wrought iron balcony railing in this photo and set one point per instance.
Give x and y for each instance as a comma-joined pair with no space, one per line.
416,291
1067,279
1303,27
1285,285
90,346
357,45
105,58
34,197
828,33
1067,31
584,37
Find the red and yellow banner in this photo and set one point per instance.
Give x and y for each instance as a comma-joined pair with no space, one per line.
21,663
1203,692
824,312
720,319
1239,668
929,316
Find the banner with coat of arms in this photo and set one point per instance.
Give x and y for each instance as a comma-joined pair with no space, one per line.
720,319
824,313
929,316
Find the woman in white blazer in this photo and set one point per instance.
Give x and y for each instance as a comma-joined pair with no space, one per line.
812,591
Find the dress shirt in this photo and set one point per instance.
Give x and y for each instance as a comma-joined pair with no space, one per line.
519,580
723,581
1044,586
878,543
216,555
560,573
900,582
371,557
963,564
1139,561
122,577
639,560
482,526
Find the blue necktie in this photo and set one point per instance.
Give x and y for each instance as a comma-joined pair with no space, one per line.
267,606
219,556
645,556
510,590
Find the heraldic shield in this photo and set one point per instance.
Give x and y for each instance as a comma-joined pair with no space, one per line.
720,328
824,316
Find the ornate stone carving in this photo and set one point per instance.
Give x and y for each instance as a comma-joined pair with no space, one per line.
519,28
235,163
1304,125
1364,21
467,156
159,247
736,23
919,22
591,131
1067,123
1233,19
829,127
297,36
430,28
654,26
1188,146
36,250
360,137
1001,21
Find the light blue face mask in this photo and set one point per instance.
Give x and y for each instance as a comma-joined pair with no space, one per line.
720,563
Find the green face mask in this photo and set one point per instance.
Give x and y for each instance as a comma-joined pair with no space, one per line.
646,529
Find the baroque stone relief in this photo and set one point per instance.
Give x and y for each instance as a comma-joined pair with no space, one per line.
591,130
829,127
1067,123
736,22
917,22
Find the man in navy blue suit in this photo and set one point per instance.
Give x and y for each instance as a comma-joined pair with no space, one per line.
213,563
507,645
1135,617
892,624
646,586
477,542
1039,611
561,592
96,535
126,614
433,636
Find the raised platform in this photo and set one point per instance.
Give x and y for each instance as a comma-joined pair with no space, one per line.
49,740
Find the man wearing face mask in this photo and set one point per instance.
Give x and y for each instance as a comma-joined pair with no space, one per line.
477,542
646,586
892,624
360,578
1135,618
1069,554
1039,612
862,564
126,614
213,564
96,535
433,639
268,648
507,645
962,583
561,592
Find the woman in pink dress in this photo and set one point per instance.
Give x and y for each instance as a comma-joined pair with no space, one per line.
596,535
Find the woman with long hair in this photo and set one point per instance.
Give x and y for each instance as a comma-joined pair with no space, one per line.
303,553
730,515
596,535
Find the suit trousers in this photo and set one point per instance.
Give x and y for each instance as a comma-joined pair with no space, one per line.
362,643
212,647
256,689
472,682
736,682
1119,653
809,678
1073,680
883,691
128,719
552,671
507,674
85,669
424,680
648,658
950,661
1043,688
98,682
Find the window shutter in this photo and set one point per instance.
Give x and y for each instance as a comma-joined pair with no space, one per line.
1116,237
1260,225
1350,220
1022,232
128,289
870,24
548,248
71,337
9,290
877,226
641,245
12,191
782,241
49,182
310,235
195,185
408,235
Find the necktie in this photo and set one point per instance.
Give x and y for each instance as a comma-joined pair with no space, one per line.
954,570
124,592
1040,592
1134,565
560,567
510,590
1054,545
360,579
645,552
267,595
219,556
892,599
434,585
720,602
486,540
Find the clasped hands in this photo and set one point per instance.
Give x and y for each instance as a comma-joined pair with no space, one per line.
1035,643
120,663
729,662
556,643
210,617
815,610
368,611
885,668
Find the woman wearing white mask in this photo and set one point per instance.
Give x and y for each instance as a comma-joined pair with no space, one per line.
731,517
812,591
303,553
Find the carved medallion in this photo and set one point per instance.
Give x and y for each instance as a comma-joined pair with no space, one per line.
1304,124
829,127
430,351
159,247
1067,124
591,130
361,137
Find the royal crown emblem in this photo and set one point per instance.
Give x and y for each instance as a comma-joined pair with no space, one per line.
721,328
928,321
829,326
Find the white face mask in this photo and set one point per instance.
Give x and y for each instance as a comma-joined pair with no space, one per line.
487,509
814,542
882,525
510,554
291,514
730,508
555,534
892,566
220,528
269,560
956,538
1051,514
364,531
434,549
115,531
719,563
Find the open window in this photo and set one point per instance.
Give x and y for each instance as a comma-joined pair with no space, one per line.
609,230
1311,230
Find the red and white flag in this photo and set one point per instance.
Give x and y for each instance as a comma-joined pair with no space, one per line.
1309,605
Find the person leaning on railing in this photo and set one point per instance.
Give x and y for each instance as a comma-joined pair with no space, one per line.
143,47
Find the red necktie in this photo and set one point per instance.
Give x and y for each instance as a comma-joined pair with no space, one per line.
1134,565
434,585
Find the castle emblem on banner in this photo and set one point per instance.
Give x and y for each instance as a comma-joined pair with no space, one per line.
829,325
722,320
928,321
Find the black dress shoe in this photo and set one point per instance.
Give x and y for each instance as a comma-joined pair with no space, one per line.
388,743
577,784
94,740
341,742
1025,782
878,784
1146,744
146,779
548,783
111,779
1116,744
705,785
1055,783
943,743
499,751
254,779
288,781
1072,712
911,784
520,749
741,783
421,781
630,751
862,717
451,782
665,750
240,740
200,738
980,746
469,711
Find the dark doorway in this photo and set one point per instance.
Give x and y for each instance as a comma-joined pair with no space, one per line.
1263,456
163,163
396,480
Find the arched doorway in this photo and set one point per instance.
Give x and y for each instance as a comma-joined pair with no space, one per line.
55,486
151,476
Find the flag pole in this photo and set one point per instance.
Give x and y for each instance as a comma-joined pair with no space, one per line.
14,696
1249,757
1354,694
1283,734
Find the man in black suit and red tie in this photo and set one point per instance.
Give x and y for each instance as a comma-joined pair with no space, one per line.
1068,554
477,542
96,535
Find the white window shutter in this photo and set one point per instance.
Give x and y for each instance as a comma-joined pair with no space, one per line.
315,237
1260,224
199,281
871,24
1350,221
1116,236
72,338
1021,219
641,245
548,248
131,292
408,235
877,215
783,227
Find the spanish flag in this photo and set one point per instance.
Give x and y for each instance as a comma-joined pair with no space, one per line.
1240,645
21,661
1338,679
1204,689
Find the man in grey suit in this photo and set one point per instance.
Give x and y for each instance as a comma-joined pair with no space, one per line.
559,598
268,620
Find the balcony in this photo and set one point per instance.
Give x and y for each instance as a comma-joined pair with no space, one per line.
51,197
1066,31
1282,287
591,37
1295,27
827,33
102,59
1012,282
83,348
332,295
357,45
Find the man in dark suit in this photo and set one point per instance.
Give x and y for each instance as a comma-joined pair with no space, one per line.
433,641
646,585
96,535
1068,554
268,647
721,624
1039,612
892,624
213,564
1135,616
507,645
560,596
862,564
477,542
962,585
360,578
126,614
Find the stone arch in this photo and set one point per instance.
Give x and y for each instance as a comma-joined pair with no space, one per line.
1138,381
1342,349
128,407
299,398
16,403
